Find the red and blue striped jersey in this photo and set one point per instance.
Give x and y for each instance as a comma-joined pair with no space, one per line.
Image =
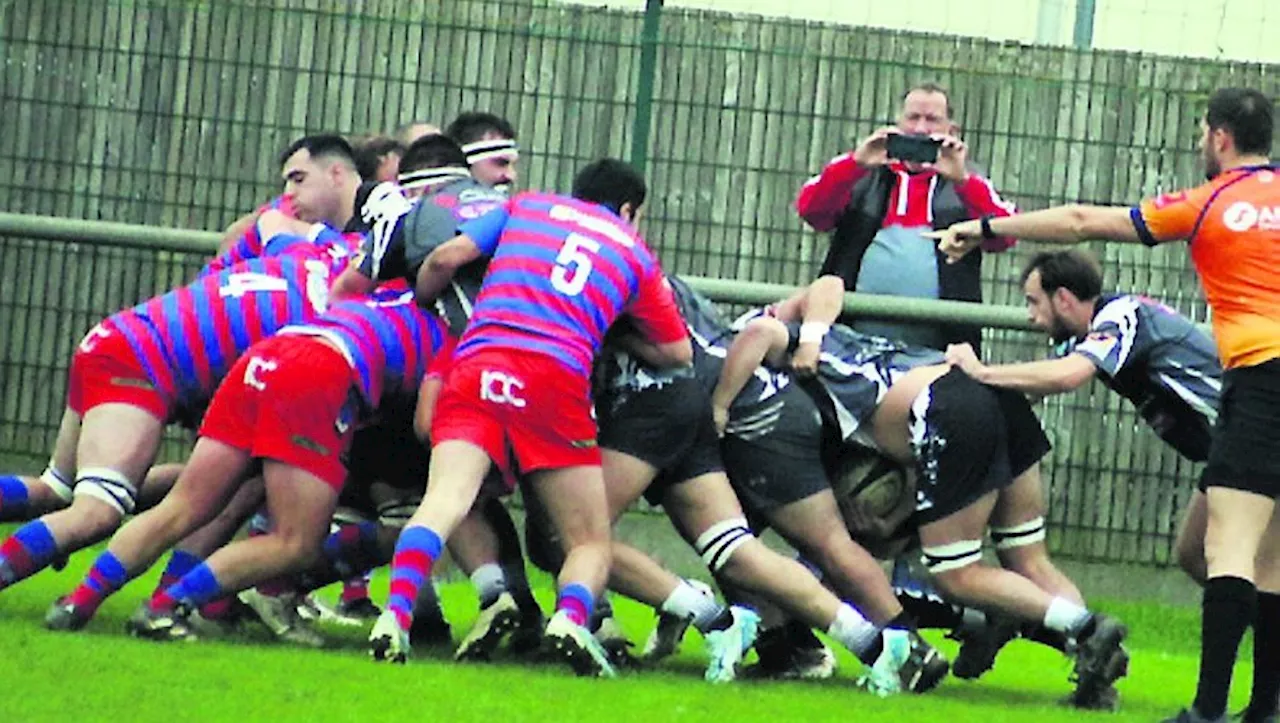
321,239
188,338
562,271
391,342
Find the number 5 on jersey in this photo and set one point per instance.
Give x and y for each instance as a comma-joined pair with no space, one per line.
573,264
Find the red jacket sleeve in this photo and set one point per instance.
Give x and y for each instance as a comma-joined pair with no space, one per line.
981,198
824,197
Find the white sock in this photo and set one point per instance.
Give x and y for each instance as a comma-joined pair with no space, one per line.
687,601
1065,616
852,630
490,581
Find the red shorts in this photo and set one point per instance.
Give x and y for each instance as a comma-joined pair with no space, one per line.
519,407
291,399
106,370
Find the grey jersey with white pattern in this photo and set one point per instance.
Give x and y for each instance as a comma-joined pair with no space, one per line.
420,228
711,334
856,371
1159,360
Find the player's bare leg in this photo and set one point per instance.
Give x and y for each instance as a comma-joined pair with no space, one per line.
815,528
24,497
456,475
301,506
576,504
117,444
208,480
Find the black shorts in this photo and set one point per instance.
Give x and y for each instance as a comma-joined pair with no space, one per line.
387,452
669,427
1245,451
776,457
973,439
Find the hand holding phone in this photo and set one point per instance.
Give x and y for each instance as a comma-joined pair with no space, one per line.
913,148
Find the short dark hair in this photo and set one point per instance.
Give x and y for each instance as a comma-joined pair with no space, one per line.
370,150
1244,113
1071,269
610,182
471,126
929,86
432,151
322,145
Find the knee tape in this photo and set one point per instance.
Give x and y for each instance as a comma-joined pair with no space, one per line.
58,482
109,486
1027,533
721,540
952,556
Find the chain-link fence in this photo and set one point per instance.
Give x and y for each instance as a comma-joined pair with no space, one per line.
171,113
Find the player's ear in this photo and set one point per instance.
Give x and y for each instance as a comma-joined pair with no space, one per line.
630,212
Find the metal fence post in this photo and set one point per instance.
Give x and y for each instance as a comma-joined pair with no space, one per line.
644,87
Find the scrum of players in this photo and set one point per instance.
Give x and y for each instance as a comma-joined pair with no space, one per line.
376,360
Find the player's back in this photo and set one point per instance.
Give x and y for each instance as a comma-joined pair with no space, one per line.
561,273
191,336
857,370
389,340
1146,348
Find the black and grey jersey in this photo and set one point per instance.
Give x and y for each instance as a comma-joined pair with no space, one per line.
856,371
1159,360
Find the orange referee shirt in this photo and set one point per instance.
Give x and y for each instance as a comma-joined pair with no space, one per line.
1233,226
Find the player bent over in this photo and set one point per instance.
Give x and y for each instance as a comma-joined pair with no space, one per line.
292,403
975,450
143,367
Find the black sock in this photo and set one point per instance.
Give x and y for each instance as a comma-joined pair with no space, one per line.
1228,609
929,611
721,622
1038,633
1265,699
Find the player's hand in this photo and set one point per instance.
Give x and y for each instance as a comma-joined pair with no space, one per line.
872,151
963,356
958,240
804,362
952,155
721,417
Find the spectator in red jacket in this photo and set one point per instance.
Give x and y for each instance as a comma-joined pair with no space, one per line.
878,207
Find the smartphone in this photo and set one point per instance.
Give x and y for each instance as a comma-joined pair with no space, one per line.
916,148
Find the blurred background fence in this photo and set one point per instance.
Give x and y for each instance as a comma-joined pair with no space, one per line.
171,113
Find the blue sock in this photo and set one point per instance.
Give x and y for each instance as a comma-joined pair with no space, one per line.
105,577
13,498
577,602
27,551
195,589
180,563
416,552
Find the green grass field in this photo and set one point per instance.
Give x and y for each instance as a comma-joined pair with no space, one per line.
103,675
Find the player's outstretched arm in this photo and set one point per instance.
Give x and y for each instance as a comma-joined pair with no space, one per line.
763,339
1061,224
1038,378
